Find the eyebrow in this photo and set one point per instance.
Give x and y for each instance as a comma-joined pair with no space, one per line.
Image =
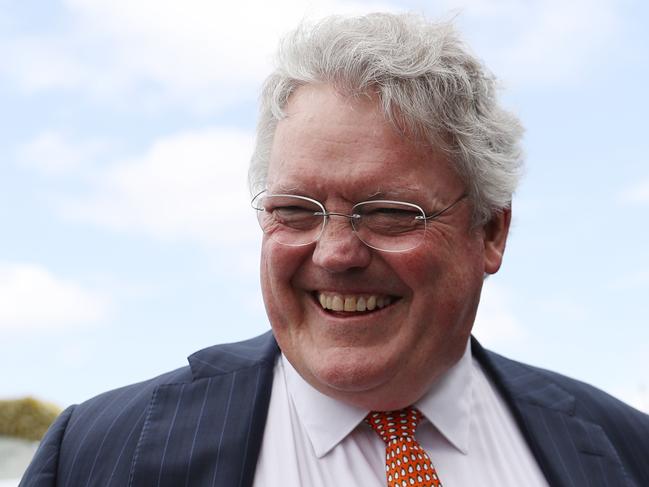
286,190
395,193
413,194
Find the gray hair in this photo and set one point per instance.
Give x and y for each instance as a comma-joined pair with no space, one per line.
428,85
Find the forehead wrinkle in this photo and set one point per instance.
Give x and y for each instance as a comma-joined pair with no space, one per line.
395,192
408,192
285,189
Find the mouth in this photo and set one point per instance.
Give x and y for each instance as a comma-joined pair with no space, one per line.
353,303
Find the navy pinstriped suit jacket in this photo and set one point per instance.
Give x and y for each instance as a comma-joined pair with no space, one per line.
202,426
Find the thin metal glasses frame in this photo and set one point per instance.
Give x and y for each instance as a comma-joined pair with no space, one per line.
355,217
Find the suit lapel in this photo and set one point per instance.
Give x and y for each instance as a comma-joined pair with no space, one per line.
570,450
208,431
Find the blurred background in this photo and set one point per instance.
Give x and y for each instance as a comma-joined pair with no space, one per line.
126,237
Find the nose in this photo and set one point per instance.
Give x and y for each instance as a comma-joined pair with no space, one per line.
338,249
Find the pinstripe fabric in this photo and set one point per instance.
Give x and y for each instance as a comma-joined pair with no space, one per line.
581,436
202,426
197,426
43,470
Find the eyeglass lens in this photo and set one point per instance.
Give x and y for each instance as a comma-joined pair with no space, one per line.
389,225
384,225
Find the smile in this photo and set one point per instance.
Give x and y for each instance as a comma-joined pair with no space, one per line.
353,302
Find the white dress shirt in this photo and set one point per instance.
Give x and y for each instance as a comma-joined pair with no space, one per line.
312,440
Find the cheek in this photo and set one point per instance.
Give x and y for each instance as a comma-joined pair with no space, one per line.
420,271
443,281
279,265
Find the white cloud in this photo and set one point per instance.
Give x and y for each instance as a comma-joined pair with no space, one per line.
31,297
539,42
637,278
54,152
198,54
496,323
77,353
189,186
201,54
637,193
44,63
563,39
638,397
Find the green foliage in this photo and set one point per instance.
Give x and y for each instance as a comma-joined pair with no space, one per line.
26,418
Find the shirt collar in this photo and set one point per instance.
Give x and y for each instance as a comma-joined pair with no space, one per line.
327,421
447,404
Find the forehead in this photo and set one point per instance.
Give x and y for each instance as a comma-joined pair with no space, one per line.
333,143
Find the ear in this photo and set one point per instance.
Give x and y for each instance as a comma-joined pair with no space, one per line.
495,237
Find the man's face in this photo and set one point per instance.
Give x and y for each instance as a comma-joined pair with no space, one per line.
340,151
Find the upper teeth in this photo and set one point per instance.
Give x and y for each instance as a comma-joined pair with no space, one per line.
351,302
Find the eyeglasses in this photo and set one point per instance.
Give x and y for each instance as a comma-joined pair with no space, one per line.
386,225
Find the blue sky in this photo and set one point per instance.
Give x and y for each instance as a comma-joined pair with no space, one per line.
126,238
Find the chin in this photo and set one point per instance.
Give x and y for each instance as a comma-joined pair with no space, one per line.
347,372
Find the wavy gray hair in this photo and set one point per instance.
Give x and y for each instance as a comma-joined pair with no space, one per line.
428,85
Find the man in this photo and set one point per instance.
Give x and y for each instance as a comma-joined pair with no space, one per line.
382,178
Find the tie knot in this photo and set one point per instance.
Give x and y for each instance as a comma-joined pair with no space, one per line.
390,425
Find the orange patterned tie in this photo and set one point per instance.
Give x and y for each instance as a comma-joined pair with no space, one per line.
406,462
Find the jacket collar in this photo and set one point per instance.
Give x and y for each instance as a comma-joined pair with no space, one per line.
571,449
208,431
216,440
229,357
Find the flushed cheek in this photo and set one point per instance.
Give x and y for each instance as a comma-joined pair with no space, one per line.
278,266
442,307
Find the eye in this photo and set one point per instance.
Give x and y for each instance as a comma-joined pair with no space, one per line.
291,212
390,218
392,212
